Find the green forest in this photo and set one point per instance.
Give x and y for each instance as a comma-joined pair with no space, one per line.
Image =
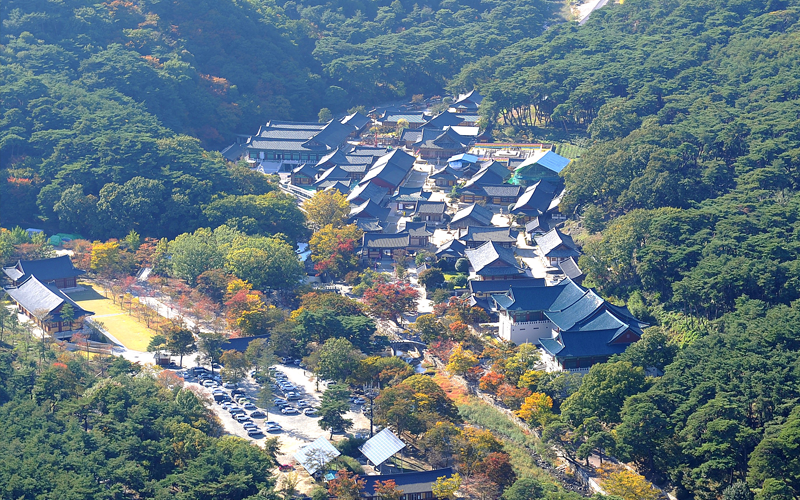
686,196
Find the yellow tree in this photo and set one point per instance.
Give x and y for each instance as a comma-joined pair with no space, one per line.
327,207
461,360
630,486
537,408
107,258
446,487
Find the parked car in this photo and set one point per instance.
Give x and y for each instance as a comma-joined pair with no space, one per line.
297,362
310,412
208,383
254,433
242,417
286,467
273,428
303,404
289,410
278,400
292,396
229,385
249,425
249,406
236,411
258,414
237,391
242,400
359,400
286,360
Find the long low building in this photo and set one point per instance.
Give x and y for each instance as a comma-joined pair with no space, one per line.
45,304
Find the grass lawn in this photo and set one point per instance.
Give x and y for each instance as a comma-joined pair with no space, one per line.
132,333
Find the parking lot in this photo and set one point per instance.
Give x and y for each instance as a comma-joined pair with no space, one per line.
297,430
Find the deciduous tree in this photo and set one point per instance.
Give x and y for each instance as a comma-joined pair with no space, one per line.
327,208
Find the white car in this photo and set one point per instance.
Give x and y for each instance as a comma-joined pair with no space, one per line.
273,428
310,412
290,410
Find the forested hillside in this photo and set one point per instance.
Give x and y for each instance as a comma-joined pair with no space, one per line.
688,199
107,108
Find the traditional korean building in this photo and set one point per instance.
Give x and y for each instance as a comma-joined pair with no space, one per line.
451,251
378,246
419,234
467,103
365,192
430,211
414,485
44,304
296,142
491,261
475,236
57,271
536,201
473,215
556,247
575,327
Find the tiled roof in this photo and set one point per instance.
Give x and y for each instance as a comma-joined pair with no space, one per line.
475,212
417,229
369,225
368,191
357,120
340,186
431,207
536,197
537,224
41,299
410,135
335,157
502,286
487,233
554,243
505,190
489,253
45,269
442,120
369,209
452,247
306,169
335,173
570,268
385,241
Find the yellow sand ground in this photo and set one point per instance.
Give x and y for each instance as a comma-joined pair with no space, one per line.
127,329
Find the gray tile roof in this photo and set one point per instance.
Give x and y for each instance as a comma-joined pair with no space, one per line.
537,225
490,253
42,299
368,191
357,120
431,207
479,214
554,243
369,209
385,241
536,198
442,120
369,225
487,233
504,190
45,269
502,286
452,247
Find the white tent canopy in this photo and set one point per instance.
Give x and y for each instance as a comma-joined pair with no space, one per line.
382,446
314,456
